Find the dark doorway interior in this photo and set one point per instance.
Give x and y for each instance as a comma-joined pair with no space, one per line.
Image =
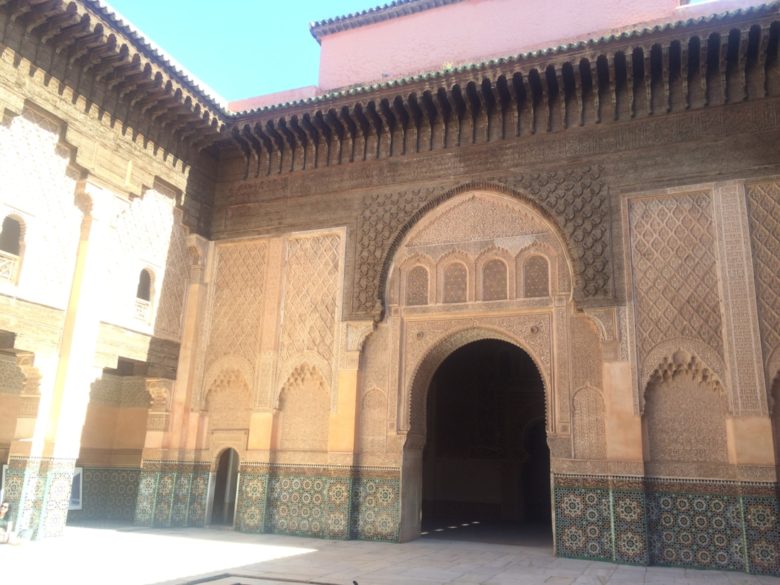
486,465
224,506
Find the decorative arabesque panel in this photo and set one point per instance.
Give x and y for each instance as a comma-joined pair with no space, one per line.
304,406
35,182
310,296
675,276
764,205
150,235
685,420
588,424
228,402
417,286
236,301
577,200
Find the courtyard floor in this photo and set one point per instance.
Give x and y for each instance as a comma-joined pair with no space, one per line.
131,556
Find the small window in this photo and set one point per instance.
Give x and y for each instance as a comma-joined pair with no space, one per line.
11,236
417,286
455,283
494,280
536,275
11,246
144,290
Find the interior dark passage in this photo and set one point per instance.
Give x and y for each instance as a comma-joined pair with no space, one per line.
225,485
486,465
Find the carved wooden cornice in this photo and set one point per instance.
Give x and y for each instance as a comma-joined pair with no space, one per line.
682,66
86,47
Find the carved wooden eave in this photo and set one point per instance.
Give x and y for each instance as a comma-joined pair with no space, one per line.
110,66
723,59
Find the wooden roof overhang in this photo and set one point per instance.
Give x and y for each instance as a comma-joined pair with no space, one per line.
86,47
689,65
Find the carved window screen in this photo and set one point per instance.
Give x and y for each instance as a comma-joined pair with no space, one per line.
417,286
494,280
536,277
455,283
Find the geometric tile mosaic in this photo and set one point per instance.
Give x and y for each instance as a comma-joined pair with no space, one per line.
172,493
108,494
582,518
701,524
325,502
39,492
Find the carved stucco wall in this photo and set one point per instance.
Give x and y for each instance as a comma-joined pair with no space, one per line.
685,423
764,214
576,200
674,270
473,231
310,306
588,431
35,187
304,407
228,402
233,325
376,396
148,234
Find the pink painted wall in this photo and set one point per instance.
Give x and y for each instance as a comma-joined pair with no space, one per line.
475,30
271,99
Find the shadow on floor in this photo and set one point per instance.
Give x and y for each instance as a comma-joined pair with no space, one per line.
532,535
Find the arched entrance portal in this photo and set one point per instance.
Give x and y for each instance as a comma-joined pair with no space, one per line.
486,465
225,488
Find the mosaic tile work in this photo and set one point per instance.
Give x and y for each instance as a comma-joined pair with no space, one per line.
694,529
252,498
702,524
331,502
308,503
761,514
107,494
376,507
39,492
629,516
582,518
172,493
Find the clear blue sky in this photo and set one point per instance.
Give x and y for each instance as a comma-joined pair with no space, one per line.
240,48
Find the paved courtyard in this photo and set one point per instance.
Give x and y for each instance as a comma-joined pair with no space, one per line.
120,556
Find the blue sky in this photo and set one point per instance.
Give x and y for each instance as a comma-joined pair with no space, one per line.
240,48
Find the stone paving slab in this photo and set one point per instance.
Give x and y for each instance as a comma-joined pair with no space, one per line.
121,556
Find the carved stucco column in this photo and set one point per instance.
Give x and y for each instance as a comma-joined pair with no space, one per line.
342,432
45,470
184,422
623,422
750,440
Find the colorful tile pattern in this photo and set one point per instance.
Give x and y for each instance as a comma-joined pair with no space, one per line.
702,524
108,494
172,493
326,502
308,504
761,513
376,507
39,492
582,516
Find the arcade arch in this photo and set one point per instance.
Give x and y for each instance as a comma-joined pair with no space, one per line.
471,252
